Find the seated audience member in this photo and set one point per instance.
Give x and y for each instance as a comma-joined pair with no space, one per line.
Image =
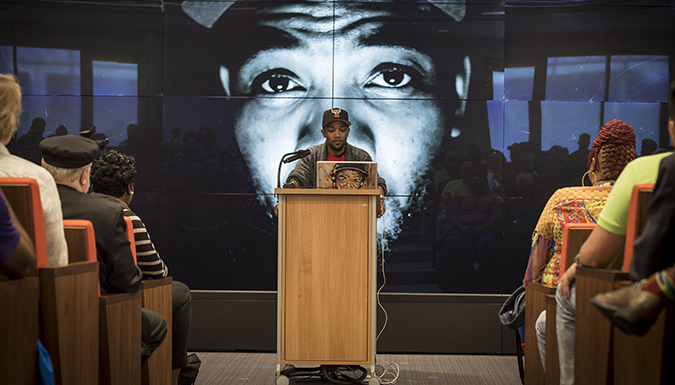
612,149
634,308
68,158
468,226
649,146
15,167
112,178
17,255
29,142
604,244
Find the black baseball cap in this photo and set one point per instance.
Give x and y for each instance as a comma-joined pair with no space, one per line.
335,114
68,151
362,168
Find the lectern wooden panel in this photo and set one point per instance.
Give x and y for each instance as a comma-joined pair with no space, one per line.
327,243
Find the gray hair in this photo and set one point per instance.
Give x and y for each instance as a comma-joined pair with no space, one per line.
64,175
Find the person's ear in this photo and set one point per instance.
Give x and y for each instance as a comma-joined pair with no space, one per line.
323,133
671,129
594,165
84,177
225,80
130,190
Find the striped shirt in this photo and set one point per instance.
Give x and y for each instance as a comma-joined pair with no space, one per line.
147,257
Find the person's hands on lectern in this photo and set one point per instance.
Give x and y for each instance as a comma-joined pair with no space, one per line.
293,184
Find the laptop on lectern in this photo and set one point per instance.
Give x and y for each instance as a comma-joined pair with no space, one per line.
346,175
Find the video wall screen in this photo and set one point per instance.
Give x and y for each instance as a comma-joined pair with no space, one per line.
476,112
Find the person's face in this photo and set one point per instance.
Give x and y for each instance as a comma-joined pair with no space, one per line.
175,134
191,145
348,179
178,160
212,166
466,171
336,133
385,86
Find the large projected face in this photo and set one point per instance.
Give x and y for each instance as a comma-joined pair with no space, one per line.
320,55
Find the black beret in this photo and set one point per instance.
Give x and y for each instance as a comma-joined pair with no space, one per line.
68,151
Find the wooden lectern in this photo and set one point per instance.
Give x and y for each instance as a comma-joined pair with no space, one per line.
327,277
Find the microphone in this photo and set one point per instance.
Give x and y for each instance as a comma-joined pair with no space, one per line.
293,157
297,155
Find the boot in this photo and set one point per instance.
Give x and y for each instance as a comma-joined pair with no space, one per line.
633,311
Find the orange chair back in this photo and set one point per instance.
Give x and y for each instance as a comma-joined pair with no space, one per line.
637,217
574,235
89,238
83,234
130,237
23,194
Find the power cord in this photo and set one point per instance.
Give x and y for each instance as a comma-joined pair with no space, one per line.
391,370
345,375
384,281
342,375
390,373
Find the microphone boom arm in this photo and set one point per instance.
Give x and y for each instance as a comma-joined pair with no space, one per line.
293,157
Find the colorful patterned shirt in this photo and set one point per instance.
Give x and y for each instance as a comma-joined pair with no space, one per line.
567,205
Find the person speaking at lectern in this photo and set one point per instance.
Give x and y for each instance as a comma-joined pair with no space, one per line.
335,128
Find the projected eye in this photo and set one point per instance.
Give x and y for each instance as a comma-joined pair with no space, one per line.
276,81
392,75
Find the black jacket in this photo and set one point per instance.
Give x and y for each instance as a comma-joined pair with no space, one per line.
118,273
653,249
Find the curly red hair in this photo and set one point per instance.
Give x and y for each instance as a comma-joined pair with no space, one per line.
613,147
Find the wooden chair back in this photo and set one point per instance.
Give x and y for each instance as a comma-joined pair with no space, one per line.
535,302
637,217
540,297
643,359
69,316
23,194
646,359
19,330
70,319
81,240
574,235
69,302
594,334
156,297
119,327
81,243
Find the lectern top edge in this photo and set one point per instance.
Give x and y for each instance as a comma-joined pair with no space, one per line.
315,191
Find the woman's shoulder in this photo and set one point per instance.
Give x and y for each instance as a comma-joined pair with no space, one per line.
580,193
567,193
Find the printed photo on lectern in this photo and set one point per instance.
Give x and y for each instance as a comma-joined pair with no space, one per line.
346,175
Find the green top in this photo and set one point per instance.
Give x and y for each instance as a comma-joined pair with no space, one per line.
645,169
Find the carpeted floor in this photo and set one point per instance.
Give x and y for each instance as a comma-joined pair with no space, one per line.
259,369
